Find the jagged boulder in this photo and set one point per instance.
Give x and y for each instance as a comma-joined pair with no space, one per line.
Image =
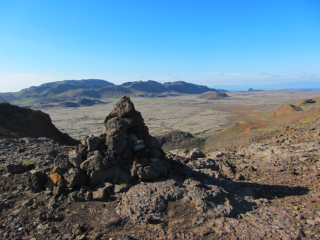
124,108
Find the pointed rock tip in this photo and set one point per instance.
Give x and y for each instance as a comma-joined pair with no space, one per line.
124,108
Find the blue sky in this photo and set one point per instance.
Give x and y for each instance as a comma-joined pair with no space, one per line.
203,42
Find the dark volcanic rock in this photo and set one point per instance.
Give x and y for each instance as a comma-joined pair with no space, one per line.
93,143
37,180
16,168
114,174
96,163
61,164
178,140
123,108
118,142
75,159
76,180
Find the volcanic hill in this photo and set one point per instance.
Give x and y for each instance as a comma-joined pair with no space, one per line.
213,95
73,90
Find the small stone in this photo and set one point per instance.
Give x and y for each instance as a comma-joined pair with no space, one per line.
88,196
74,171
134,138
312,222
53,230
61,164
52,206
28,202
133,171
145,160
93,143
138,165
76,197
118,188
153,160
126,237
76,180
102,192
147,174
16,168
20,150
140,142
139,146
21,187
84,140
300,217
239,177
196,153
97,152
74,158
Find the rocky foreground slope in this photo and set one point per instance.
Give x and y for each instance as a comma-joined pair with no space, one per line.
121,185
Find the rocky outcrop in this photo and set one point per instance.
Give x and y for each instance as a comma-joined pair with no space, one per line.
213,95
284,110
17,122
177,139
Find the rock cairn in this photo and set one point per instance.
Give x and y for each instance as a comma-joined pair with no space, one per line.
122,155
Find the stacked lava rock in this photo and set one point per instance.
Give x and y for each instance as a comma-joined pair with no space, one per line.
123,153
129,141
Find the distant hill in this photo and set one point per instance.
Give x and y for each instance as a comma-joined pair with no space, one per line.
83,82
183,87
213,95
73,90
60,91
147,87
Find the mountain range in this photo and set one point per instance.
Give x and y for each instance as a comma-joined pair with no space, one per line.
72,90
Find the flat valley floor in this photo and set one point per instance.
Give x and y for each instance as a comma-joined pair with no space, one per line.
186,113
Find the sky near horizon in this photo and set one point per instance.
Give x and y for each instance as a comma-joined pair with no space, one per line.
203,42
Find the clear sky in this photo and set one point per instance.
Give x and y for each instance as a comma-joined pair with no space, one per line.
204,42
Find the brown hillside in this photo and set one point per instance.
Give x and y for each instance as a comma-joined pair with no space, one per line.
17,122
252,125
284,110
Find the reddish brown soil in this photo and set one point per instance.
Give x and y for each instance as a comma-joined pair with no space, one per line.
250,125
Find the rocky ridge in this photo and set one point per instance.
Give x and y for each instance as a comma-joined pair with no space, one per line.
17,122
72,90
266,190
